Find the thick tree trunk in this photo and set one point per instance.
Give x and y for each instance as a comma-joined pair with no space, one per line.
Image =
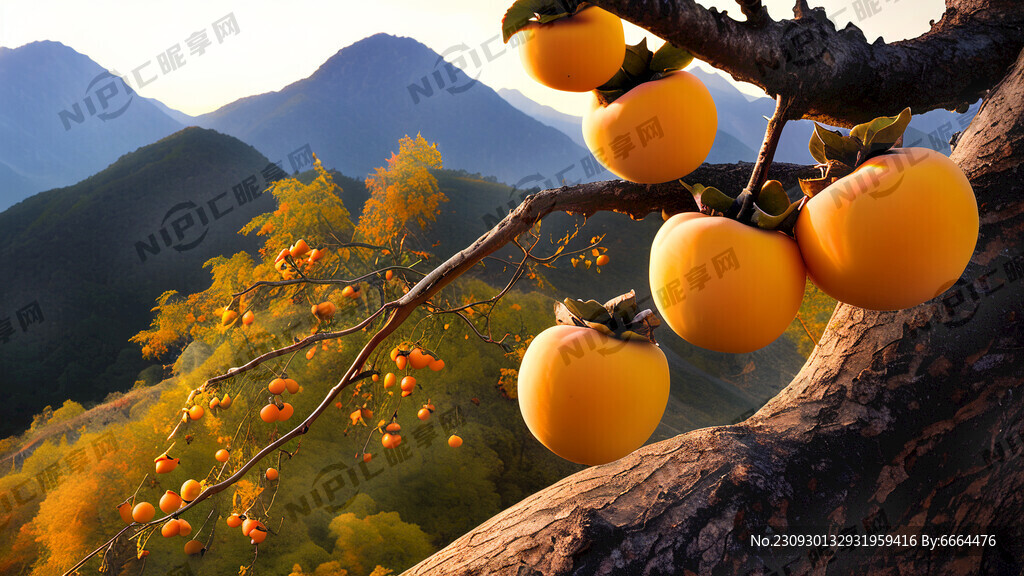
904,422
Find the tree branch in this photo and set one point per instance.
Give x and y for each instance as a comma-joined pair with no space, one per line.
835,76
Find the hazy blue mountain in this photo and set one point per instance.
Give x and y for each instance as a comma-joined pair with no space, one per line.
353,110
63,117
565,123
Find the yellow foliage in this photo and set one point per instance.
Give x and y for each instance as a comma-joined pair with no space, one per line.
403,194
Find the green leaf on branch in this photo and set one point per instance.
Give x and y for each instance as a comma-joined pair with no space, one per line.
884,130
773,198
522,12
668,58
828,145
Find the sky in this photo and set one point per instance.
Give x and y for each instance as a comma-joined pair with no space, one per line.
277,43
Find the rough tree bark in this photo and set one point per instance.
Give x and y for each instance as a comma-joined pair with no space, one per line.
905,422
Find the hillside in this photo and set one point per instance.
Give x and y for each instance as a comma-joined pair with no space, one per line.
91,258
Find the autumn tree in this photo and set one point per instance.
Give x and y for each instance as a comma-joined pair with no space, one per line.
900,421
404,195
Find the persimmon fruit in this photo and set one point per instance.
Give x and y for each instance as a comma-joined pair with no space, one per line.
897,232
165,464
272,474
277,386
234,521
222,455
454,441
591,398
671,124
143,512
170,528
285,412
575,54
723,285
190,490
193,547
270,413
170,502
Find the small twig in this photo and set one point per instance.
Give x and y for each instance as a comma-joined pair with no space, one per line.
771,142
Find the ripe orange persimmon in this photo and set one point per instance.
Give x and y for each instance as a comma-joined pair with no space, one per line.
272,474
406,393
196,412
258,535
282,255
184,528
591,398
270,413
454,441
214,403
291,385
170,528
170,502
389,275
285,412
310,353
375,377
896,232
225,402
437,365
193,547
248,318
324,310
723,285
401,362
143,512
222,455
277,386
390,440
250,524
228,317
418,359
299,249
348,292
190,490
601,260
423,414
234,521
393,427
367,457
125,511
315,255
408,384
575,54
165,464
389,380
676,138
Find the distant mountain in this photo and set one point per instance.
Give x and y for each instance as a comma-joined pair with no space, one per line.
63,117
353,110
86,262
565,123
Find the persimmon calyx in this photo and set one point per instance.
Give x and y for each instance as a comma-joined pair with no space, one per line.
863,142
640,65
772,210
522,12
617,318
